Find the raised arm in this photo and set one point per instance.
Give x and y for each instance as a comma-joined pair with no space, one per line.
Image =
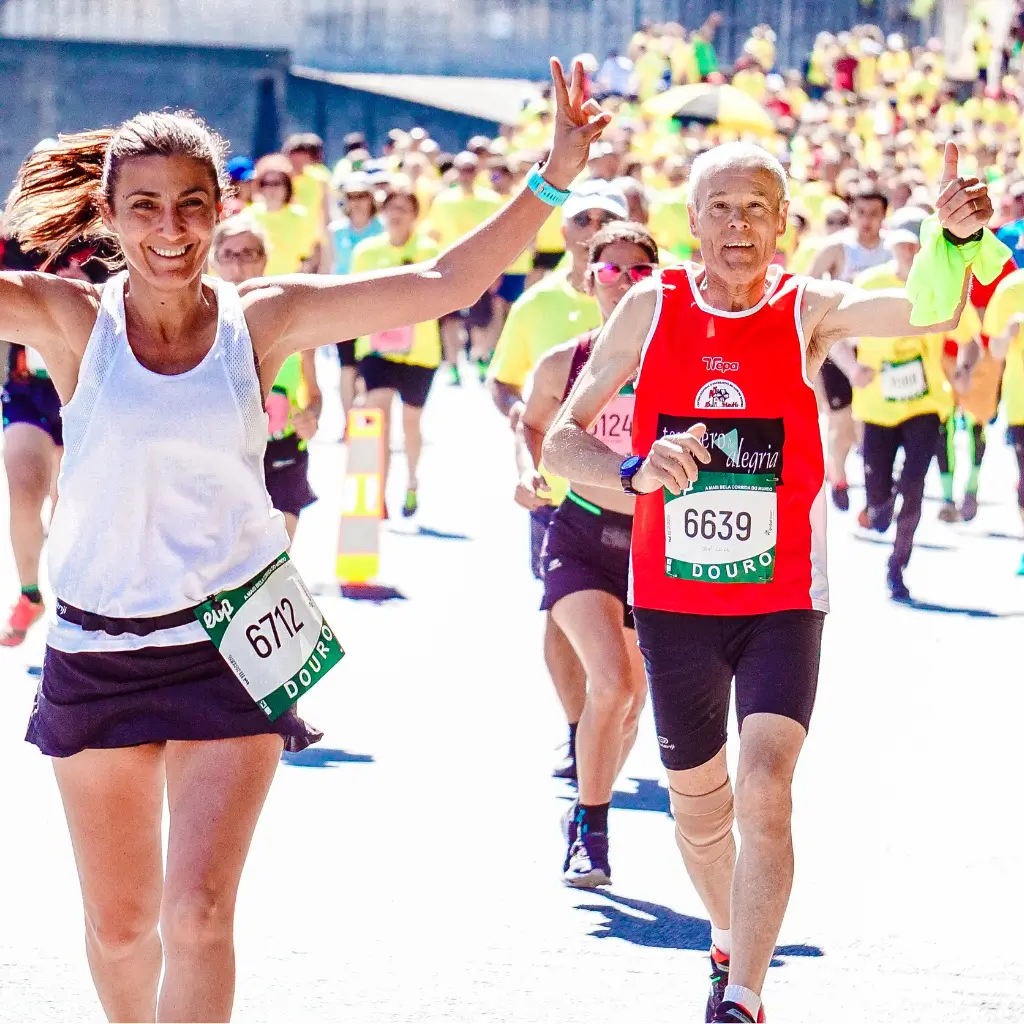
833,310
298,312
52,315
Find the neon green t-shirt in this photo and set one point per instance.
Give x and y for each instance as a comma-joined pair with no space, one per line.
545,315
421,345
293,234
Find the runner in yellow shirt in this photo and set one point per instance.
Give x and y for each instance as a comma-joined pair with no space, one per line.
400,362
550,313
1002,324
902,396
456,212
293,231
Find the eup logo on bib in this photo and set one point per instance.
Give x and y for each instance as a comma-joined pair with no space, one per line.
720,394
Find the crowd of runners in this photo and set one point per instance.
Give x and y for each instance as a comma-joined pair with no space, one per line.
693,330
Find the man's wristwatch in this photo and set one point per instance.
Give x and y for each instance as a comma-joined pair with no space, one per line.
953,240
629,469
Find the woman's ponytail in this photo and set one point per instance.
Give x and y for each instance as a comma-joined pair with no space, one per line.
56,200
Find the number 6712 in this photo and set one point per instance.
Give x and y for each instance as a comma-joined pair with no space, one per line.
260,641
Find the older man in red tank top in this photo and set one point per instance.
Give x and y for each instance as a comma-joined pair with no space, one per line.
728,555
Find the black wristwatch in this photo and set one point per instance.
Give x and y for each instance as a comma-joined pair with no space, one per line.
953,240
629,469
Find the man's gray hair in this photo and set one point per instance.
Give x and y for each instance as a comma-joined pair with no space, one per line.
737,154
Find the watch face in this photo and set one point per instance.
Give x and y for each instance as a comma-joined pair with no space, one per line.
631,465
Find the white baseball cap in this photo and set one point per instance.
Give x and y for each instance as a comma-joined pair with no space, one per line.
595,194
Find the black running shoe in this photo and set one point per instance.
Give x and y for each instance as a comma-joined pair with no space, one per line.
588,862
566,768
719,979
733,1012
897,588
841,497
570,831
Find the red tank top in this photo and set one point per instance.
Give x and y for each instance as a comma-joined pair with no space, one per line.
748,537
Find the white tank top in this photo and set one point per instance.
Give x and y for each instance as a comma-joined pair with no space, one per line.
857,257
162,498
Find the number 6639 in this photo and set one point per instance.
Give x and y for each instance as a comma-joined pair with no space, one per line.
717,525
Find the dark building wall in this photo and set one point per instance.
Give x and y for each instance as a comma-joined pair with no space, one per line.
51,86
333,110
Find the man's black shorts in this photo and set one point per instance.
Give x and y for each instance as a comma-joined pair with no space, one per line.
691,661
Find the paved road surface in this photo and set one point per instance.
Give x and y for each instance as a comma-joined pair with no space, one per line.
408,868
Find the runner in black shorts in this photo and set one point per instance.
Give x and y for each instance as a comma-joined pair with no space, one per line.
585,562
728,577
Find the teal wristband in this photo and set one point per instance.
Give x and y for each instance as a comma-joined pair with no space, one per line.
543,190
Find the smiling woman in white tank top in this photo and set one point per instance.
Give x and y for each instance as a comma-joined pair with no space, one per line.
163,375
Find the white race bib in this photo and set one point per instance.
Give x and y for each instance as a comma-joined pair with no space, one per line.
272,635
903,382
722,529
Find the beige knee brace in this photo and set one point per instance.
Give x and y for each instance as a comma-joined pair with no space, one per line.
703,824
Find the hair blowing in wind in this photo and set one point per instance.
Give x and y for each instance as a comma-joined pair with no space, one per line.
60,193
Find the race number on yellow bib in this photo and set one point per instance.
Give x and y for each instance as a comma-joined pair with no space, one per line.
272,635
903,382
722,529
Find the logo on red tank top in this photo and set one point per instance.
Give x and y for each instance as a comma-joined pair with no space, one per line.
720,394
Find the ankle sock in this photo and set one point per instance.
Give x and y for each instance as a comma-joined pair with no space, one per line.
592,818
750,1001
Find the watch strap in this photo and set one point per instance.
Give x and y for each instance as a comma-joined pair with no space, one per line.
543,189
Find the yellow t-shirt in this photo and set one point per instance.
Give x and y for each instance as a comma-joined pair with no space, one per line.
550,237
545,315
523,263
309,189
909,377
293,232
751,81
454,214
378,253
1007,302
669,222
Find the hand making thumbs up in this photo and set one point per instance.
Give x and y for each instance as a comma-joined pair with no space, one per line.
963,205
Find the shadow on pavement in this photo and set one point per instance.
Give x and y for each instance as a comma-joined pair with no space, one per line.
948,609
867,538
324,757
375,592
429,531
650,795
662,928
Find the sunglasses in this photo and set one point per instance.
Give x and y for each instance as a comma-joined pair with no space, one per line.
242,256
358,195
611,273
587,218
273,182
